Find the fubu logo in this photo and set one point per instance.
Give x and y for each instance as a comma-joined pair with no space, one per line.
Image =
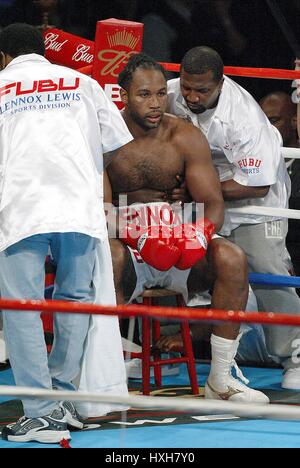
39,86
249,162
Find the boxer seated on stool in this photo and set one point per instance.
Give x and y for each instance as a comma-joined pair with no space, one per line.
196,259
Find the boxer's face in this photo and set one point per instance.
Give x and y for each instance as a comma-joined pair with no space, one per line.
201,92
146,98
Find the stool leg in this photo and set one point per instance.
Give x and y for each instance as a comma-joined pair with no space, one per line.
130,335
146,350
188,347
156,354
185,329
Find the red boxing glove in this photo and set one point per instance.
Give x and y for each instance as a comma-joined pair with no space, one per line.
155,244
193,242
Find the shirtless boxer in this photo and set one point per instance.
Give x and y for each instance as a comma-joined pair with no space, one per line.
169,146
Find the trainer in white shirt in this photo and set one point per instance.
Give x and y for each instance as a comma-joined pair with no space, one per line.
55,127
245,147
246,152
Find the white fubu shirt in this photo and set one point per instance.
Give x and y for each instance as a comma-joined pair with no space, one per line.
55,125
245,147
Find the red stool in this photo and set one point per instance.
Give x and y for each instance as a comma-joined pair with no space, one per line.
150,297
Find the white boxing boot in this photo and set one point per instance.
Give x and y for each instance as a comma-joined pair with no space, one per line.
221,385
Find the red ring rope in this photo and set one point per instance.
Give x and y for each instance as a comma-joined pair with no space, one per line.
131,310
273,73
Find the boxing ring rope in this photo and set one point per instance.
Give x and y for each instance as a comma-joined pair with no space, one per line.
266,211
293,153
136,310
197,406
158,312
247,72
281,281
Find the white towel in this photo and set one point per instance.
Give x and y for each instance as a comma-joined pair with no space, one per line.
103,367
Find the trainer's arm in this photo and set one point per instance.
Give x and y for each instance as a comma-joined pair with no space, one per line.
232,190
107,188
200,175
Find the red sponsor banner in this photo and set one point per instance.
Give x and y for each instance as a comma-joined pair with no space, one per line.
67,49
116,40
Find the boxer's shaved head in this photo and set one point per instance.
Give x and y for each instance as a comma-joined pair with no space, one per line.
202,59
138,61
20,39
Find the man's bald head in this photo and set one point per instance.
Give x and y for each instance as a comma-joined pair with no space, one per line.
282,113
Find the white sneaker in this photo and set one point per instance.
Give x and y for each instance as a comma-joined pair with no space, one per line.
291,379
134,369
48,429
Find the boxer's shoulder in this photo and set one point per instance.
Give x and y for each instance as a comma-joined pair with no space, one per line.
182,130
176,124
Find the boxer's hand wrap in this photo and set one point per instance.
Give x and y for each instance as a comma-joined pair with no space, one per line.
155,244
193,241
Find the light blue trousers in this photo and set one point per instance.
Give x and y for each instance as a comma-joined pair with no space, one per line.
22,275
264,245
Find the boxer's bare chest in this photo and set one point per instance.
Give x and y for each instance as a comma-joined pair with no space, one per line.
154,164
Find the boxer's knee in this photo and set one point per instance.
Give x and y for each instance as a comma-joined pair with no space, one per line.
229,262
124,271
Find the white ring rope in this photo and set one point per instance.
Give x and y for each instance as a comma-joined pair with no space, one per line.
266,211
290,153
200,406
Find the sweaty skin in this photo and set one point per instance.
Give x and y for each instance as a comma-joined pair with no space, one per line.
165,147
154,163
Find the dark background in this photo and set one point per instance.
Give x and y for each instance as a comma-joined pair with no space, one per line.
174,26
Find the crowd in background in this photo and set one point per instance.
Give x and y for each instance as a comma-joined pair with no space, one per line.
244,33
